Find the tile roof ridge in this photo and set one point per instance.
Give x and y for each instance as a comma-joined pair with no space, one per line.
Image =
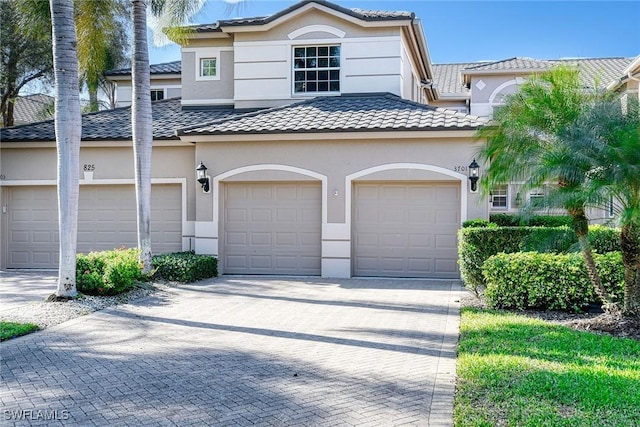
253,113
262,20
484,64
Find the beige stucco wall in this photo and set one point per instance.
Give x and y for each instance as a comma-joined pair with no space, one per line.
38,165
314,17
336,159
207,91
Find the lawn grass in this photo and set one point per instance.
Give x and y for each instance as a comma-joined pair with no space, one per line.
518,371
10,330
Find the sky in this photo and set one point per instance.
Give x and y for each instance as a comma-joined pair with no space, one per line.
469,31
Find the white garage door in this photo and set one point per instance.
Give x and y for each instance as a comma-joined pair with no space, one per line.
272,228
106,220
406,229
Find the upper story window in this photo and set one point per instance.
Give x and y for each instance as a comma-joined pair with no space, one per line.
316,69
208,67
157,94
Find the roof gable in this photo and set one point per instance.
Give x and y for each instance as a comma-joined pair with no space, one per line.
363,17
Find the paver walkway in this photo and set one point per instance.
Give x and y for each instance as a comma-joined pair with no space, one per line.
246,351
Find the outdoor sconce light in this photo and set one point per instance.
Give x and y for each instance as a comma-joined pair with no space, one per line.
203,178
474,175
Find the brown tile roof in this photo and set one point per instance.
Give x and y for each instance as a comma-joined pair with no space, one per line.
346,113
174,67
115,124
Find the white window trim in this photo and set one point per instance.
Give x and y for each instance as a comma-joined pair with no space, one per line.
207,54
506,198
163,89
293,71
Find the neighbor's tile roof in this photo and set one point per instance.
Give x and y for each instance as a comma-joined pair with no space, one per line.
346,113
174,67
115,124
364,14
511,64
32,108
604,71
448,79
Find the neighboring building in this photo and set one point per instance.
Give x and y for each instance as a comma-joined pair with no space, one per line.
32,108
333,146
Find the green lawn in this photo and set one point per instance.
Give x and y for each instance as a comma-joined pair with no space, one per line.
10,330
518,371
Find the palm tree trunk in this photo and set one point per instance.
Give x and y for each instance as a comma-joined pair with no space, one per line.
630,244
68,123
580,225
142,130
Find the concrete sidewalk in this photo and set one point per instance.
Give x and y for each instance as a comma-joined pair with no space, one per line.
18,287
246,351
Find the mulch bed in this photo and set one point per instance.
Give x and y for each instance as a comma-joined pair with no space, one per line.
601,323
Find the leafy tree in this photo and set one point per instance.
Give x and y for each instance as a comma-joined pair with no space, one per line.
608,137
527,142
25,50
68,128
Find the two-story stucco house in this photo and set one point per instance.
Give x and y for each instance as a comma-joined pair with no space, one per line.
333,147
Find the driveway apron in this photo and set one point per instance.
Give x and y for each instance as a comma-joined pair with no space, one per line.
246,351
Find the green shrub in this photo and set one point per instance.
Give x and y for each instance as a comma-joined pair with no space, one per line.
478,223
185,267
107,272
478,244
532,280
508,220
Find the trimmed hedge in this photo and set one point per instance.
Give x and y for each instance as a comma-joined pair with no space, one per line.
476,245
185,267
507,220
532,280
478,223
107,272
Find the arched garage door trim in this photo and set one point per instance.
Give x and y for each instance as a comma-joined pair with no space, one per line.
419,166
275,167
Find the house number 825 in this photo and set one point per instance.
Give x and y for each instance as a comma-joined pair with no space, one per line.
89,168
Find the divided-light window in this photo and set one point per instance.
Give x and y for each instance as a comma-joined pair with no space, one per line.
208,67
157,94
499,197
316,69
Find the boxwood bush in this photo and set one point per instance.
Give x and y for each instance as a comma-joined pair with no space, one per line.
509,220
533,280
477,244
107,272
185,267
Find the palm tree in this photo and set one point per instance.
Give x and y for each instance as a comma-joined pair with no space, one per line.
608,136
142,130
526,143
102,41
173,13
68,123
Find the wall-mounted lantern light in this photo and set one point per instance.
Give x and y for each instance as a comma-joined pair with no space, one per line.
203,178
474,175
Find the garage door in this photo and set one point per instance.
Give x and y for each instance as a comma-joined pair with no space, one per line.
406,229
272,228
106,220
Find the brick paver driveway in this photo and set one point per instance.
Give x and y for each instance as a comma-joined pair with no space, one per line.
246,351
